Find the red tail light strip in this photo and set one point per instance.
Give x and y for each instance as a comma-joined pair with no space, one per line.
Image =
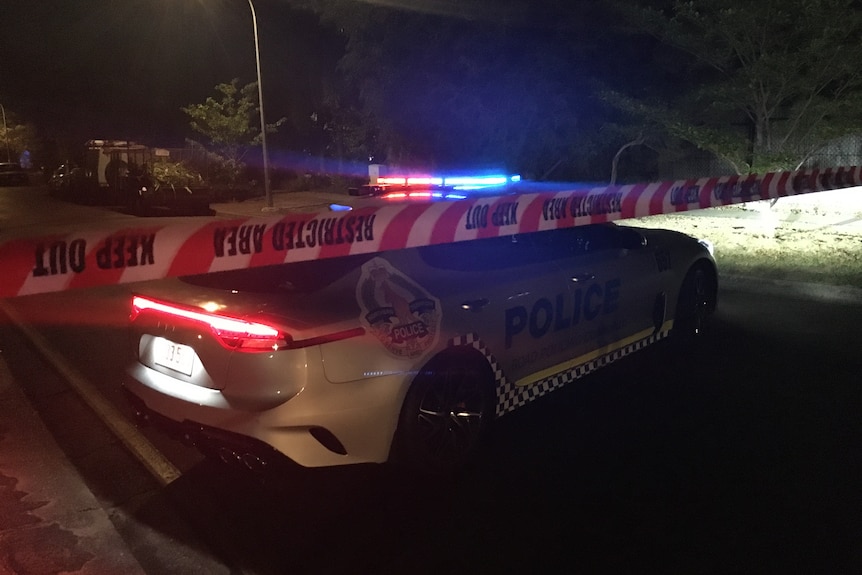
233,333
238,334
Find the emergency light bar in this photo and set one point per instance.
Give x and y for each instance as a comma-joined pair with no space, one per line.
409,181
419,186
423,196
454,182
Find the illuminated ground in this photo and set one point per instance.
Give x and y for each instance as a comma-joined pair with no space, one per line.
813,238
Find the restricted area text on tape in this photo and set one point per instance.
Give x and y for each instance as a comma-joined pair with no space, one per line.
93,258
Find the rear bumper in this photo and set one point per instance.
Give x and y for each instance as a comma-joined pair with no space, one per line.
325,424
231,448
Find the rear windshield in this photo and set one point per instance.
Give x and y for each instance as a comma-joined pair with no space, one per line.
299,277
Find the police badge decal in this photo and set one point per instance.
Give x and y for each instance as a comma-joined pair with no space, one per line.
403,315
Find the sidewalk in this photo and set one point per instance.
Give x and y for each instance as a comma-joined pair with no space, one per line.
50,522
283,202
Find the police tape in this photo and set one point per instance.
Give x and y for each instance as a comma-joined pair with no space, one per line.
93,258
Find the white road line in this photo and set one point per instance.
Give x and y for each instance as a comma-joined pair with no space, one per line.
157,464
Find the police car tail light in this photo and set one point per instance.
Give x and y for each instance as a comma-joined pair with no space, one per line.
233,333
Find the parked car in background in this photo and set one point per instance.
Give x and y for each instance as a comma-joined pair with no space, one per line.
70,182
130,176
11,174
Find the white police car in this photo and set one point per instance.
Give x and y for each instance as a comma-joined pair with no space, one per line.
408,354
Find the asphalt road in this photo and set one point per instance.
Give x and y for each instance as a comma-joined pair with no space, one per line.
742,457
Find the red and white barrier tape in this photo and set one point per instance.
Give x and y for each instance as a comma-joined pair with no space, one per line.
91,258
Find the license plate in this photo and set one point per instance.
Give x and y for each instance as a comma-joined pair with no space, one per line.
173,356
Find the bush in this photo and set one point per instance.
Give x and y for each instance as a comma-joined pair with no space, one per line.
175,174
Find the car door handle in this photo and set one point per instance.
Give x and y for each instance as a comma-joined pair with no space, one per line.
475,304
583,277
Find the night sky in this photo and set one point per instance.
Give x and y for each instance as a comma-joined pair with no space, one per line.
82,69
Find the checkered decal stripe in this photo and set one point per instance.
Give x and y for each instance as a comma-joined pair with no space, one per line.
500,381
511,397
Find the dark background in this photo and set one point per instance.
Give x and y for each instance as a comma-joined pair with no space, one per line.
122,70
456,84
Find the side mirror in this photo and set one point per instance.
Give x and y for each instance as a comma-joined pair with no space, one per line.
633,239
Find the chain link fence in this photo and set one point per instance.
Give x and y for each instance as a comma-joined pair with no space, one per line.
845,151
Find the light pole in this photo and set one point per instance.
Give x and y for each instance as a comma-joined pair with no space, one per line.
266,185
6,131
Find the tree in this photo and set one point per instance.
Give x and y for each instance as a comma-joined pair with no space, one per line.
230,121
457,84
761,84
15,138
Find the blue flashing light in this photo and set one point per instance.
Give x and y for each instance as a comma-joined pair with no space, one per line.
475,182
339,208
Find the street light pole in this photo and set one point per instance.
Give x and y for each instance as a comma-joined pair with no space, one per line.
266,184
6,131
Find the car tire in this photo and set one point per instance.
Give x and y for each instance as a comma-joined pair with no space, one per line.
138,204
446,415
696,302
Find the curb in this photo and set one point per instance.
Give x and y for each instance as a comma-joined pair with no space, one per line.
137,444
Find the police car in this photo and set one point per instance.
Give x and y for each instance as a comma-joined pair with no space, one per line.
404,355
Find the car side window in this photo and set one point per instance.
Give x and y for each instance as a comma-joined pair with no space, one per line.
523,249
480,255
580,240
600,237
519,250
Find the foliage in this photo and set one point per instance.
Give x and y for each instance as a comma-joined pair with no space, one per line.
658,125
175,174
230,122
16,137
477,84
761,84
